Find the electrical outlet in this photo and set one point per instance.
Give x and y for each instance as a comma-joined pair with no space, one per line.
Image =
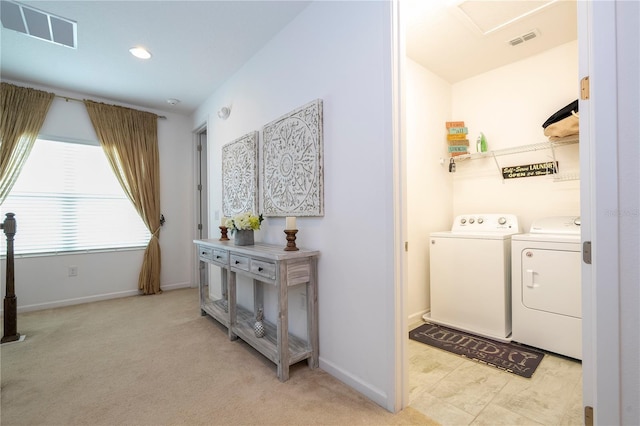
73,271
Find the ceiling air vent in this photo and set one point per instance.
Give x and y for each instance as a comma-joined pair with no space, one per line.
38,24
525,37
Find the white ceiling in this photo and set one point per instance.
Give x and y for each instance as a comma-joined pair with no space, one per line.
440,37
197,45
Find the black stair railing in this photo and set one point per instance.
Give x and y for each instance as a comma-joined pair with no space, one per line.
10,302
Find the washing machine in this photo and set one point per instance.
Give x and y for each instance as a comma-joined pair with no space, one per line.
547,301
471,275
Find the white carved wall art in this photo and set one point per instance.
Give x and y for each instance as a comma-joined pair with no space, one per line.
292,170
240,175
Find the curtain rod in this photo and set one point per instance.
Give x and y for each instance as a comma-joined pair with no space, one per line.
69,98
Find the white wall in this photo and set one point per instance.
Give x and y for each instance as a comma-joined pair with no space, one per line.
338,52
429,183
43,281
509,105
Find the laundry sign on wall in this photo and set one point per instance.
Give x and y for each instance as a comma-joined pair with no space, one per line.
529,170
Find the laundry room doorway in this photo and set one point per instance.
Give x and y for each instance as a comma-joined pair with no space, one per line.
608,56
506,97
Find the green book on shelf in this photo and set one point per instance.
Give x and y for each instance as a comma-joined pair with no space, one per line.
458,148
458,130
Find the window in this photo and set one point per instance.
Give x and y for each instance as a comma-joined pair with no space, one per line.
68,199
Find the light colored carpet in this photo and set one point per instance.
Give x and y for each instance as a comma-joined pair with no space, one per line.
153,360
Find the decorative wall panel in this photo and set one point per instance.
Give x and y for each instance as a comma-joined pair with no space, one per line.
240,175
292,170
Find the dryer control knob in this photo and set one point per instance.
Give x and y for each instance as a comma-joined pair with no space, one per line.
463,221
480,220
471,220
502,221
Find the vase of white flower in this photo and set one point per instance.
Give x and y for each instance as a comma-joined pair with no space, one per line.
242,227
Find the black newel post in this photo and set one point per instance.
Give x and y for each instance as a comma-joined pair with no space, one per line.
10,302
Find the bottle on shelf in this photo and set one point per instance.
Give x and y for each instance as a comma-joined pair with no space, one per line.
481,143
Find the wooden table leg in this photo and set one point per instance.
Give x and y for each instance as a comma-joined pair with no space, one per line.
283,325
312,316
231,289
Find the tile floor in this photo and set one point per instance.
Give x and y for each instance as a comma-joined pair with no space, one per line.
455,391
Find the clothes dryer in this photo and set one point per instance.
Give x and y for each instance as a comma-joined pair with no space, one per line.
547,302
471,275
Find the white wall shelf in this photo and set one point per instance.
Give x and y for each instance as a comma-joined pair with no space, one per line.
551,144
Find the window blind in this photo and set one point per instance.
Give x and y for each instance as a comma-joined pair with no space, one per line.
68,199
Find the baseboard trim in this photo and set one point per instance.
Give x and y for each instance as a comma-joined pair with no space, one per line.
417,317
177,286
371,392
89,299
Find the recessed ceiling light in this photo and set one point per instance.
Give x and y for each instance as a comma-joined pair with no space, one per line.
140,52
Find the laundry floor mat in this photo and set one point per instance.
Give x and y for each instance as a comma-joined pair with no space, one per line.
509,357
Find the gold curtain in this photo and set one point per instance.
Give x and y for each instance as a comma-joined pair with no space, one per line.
130,140
21,117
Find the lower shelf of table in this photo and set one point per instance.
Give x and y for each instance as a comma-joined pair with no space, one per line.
268,344
217,309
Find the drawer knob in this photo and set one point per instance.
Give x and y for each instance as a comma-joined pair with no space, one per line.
237,261
260,269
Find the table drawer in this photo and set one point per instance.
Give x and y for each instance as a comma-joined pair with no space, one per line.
220,256
264,269
205,253
239,262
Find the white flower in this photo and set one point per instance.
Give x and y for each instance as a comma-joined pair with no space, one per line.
244,221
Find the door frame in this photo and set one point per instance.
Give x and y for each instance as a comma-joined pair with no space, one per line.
400,398
200,197
600,210
599,165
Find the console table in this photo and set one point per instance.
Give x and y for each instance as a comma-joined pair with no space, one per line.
265,264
